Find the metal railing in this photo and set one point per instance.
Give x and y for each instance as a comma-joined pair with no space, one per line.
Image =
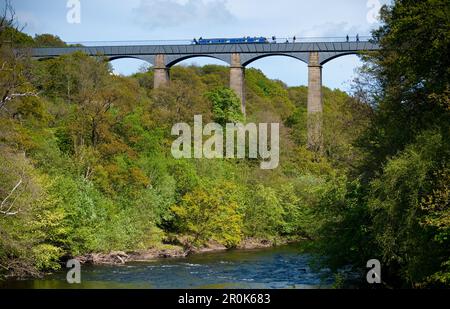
277,40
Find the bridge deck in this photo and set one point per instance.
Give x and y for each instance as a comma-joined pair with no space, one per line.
173,53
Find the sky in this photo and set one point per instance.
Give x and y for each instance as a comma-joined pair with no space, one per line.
136,20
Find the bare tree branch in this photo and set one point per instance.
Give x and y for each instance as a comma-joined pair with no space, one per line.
4,267
18,95
8,213
3,203
8,18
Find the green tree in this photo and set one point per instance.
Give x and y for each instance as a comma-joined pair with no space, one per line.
211,214
413,247
226,106
48,40
410,77
396,211
263,214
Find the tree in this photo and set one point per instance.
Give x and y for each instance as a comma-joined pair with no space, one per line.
10,31
408,140
29,218
14,67
210,214
408,206
395,208
15,81
48,40
263,214
226,106
410,77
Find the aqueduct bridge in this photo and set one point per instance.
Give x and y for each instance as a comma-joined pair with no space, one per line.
238,56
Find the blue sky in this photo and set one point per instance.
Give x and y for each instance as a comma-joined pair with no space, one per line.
114,20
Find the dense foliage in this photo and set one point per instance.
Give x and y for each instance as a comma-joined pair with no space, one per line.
86,163
398,210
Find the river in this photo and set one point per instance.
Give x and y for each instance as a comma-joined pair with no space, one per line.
279,267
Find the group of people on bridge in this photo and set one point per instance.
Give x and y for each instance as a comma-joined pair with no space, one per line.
251,40
348,38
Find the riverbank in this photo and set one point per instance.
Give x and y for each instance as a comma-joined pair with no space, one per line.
277,267
176,251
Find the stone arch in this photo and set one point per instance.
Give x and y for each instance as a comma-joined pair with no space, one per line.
327,57
247,59
173,60
149,59
44,58
128,64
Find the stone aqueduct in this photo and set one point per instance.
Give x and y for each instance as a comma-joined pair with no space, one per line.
238,56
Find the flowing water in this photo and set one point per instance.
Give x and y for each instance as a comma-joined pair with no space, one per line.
280,267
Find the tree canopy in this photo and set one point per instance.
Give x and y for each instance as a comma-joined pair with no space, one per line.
86,163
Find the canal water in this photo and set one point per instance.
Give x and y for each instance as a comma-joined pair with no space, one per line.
279,267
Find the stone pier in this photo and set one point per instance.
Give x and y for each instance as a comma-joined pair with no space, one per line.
161,72
315,107
313,53
237,78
